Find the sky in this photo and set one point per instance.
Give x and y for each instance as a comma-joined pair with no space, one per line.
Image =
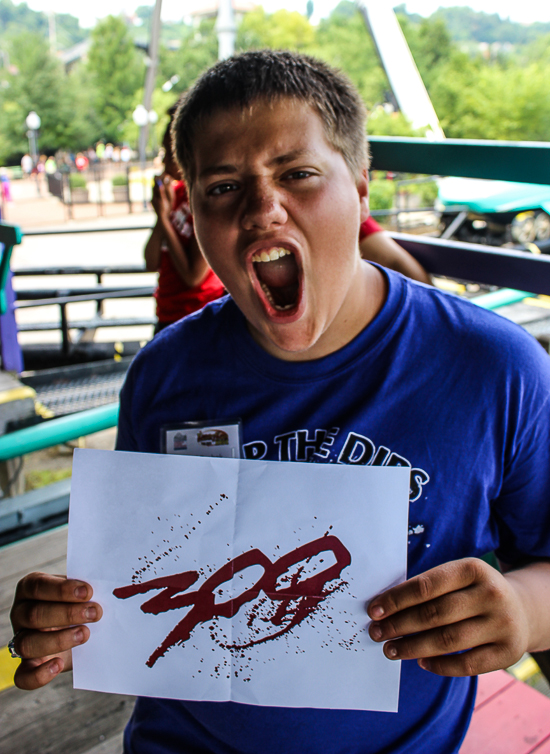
526,11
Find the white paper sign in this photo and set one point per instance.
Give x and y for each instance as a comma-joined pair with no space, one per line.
237,580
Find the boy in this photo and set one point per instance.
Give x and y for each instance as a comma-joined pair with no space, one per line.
329,359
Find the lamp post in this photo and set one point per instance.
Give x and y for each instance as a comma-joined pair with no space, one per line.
140,117
33,124
153,120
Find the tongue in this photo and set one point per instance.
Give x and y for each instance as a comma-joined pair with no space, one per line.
278,274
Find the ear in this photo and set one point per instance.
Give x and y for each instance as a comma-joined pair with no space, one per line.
363,191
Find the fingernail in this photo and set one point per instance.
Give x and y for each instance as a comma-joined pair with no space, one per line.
78,635
391,651
91,613
81,592
376,611
424,664
55,667
375,632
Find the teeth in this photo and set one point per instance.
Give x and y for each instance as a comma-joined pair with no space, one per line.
269,297
270,256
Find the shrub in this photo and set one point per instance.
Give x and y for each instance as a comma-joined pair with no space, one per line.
77,181
381,194
426,191
120,180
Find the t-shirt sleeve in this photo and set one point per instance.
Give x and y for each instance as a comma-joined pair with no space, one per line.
369,227
522,509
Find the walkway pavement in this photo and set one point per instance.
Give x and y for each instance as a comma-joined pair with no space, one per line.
31,209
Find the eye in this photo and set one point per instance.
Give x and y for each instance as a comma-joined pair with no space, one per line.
299,175
222,188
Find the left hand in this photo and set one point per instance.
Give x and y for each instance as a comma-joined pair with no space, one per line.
163,197
463,606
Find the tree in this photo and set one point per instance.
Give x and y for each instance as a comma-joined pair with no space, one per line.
37,82
197,52
343,41
282,30
116,71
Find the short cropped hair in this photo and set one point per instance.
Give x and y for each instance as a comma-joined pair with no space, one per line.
271,75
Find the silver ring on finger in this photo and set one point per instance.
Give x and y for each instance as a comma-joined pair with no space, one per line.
11,647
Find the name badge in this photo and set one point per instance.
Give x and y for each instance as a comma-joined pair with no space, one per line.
221,440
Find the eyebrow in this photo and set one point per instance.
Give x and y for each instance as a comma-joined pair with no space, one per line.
282,159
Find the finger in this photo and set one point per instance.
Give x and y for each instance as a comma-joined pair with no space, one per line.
35,645
434,583
476,661
442,611
35,614
45,586
441,641
29,676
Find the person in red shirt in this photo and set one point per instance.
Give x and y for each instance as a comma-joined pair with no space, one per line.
378,246
186,283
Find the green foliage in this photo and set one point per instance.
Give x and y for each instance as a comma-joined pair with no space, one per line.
506,97
381,193
76,181
41,478
427,192
116,72
16,19
37,82
382,123
120,180
492,102
343,41
197,52
282,30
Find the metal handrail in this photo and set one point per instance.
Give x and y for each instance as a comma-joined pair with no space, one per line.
58,431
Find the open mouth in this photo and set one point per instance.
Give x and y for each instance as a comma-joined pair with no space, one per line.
278,275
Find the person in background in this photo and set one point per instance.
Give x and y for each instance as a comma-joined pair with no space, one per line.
5,185
186,283
26,165
81,162
50,165
378,246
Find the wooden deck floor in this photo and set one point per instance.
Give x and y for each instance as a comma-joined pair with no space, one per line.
57,719
510,717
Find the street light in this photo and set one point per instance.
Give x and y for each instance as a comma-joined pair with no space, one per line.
141,118
33,124
153,120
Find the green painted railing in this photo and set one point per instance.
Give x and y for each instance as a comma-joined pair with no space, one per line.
496,299
523,161
58,431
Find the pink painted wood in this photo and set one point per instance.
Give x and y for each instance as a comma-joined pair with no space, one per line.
510,718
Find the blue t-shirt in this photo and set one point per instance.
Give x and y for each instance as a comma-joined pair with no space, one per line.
457,393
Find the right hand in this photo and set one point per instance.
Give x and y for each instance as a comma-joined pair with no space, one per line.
48,614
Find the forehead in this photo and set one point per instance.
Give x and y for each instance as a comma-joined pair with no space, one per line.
262,130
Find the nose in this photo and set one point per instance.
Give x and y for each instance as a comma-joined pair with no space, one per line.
262,208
